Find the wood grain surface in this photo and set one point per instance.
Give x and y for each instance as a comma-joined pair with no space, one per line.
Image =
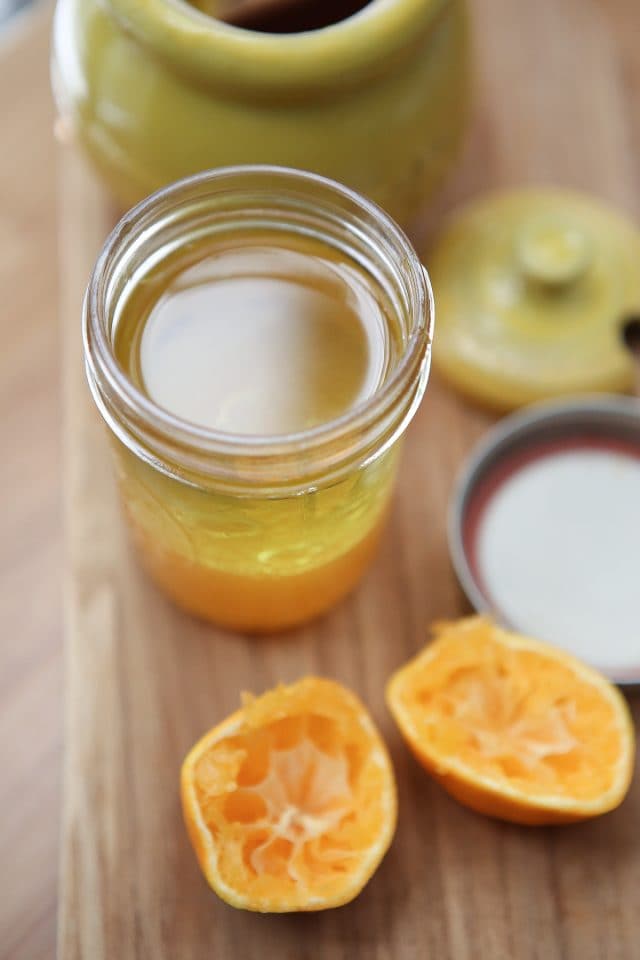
555,103
30,483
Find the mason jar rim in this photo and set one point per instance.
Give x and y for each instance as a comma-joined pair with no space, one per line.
121,402
350,49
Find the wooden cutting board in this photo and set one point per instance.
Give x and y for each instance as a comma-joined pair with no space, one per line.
556,85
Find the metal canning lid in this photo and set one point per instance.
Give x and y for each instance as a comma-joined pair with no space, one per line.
544,529
533,289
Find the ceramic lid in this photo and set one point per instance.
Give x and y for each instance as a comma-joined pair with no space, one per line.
544,529
532,291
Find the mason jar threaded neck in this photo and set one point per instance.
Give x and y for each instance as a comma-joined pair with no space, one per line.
246,198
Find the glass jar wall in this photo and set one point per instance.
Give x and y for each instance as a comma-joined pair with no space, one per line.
257,533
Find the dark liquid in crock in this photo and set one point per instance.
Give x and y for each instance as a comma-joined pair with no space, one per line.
283,16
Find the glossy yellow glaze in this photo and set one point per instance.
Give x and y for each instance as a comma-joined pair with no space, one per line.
534,288
155,90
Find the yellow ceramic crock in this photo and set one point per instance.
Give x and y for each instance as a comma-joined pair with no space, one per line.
155,90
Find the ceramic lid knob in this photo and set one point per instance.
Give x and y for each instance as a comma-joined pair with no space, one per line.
552,251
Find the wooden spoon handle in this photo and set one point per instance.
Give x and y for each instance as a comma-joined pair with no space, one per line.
240,11
631,337
280,16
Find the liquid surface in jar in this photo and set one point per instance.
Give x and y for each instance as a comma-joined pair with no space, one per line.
257,335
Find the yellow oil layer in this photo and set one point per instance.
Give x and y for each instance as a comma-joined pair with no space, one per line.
265,336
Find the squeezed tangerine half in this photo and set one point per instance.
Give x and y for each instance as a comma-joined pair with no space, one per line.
513,727
290,803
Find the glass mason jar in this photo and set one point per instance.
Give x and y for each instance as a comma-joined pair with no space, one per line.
157,90
257,533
